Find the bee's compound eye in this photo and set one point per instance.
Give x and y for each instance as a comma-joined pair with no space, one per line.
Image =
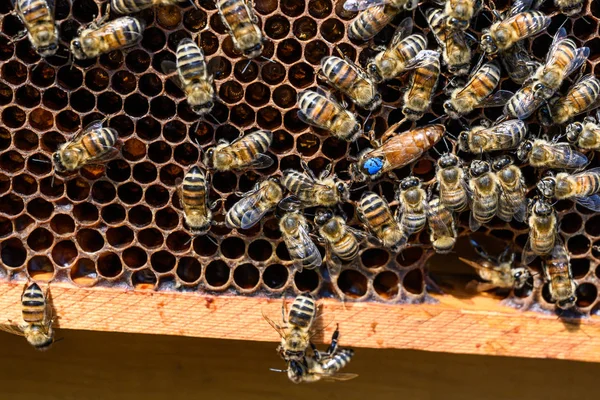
341,187
373,165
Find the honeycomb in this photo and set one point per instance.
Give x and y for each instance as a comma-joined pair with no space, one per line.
120,225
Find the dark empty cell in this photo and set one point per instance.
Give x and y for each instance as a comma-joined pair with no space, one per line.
78,189
220,67
562,205
347,15
84,10
292,8
103,192
258,94
205,245
209,43
124,82
174,131
195,19
5,138
133,150
578,244
334,148
271,228
12,161
113,214
162,107
233,247
23,222
189,269
580,267
52,186
289,51
272,73
14,72
374,258
145,172
150,238
28,96
246,71
137,61
301,75
228,133
64,253
135,105
186,154
40,209
5,227
290,162
203,135
409,256
109,265
55,98
307,280
70,78
275,276
592,226
119,236
83,101
242,115
12,23
413,281
150,84
24,184
269,118
7,48
130,193
62,224
260,250
68,121
144,279
154,39
503,234
40,239
386,284
6,94
83,272
167,218
540,46
320,8
292,123
308,144
24,140
229,49
315,51
134,257
13,117
277,27
162,262
169,16
90,240
224,182
216,24
284,96
586,295
4,183
118,170
170,173
332,30
265,7
157,196
96,79
178,241
246,276
148,128
111,103
85,213
231,92
217,274
282,142
40,268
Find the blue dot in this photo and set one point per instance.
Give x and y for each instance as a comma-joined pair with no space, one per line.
373,165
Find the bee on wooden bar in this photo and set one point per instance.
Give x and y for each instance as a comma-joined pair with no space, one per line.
325,113
241,22
523,103
295,232
193,195
192,76
456,53
100,38
477,92
452,183
541,153
375,213
583,187
504,34
396,151
245,152
580,98
543,230
411,213
351,80
557,268
585,135
134,6
485,190
341,241
93,144
459,13
506,135
375,15
512,201
423,82
498,273
40,27
442,228
37,318
254,205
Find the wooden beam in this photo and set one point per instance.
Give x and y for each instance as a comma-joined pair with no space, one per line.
476,326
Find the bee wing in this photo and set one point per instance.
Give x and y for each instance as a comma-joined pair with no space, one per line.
478,287
260,162
404,29
274,325
91,126
13,329
578,97
425,57
497,99
359,5
590,202
333,263
527,256
304,247
520,6
560,35
473,223
338,376
253,215
169,68
290,203
521,212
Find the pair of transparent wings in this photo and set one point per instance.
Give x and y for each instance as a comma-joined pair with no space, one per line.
591,202
13,329
576,96
497,99
107,153
303,247
249,203
553,57
307,184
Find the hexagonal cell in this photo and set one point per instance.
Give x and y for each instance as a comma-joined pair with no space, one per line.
40,268
277,27
320,8
332,30
83,273
386,285
64,253
217,274
307,280
189,270
109,265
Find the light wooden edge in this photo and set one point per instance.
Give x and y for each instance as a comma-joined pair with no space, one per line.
475,326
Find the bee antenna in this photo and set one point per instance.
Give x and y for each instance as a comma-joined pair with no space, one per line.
194,4
215,120
267,59
435,119
388,106
58,340
247,65
277,370
40,161
358,188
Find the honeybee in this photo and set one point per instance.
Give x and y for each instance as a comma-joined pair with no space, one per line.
192,76
485,190
310,191
456,53
582,186
396,151
557,269
133,6
580,98
99,37
477,92
375,213
518,63
442,228
543,230
296,331
254,205
512,201
351,80
564,58
459,13
498,273
40,27
247,151
523,103
295,232
375,15
193,195
452,184
37,318
403,53
540,153
504,34
411,214
586,134
92,144
325,368
241,22
340,238
506,135
568,7
423,82
325,113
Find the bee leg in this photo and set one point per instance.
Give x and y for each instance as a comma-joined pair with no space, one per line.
214,204
20,35
316,352
307,169
334,341
326,172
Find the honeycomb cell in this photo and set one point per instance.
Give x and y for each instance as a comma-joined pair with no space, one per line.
195,20
40,239
28,96
266,7
135,105
40,209
11,204
189,270
269,118
109,265
386,285
413,281
13,117
144,172
242,115
308,144
7,48
578,245
162,107
289,51
273,73
332,30
137,61
374,258
169,16
24,184
89,240
571,223
209,43
23,222
167,218
233,247
124,82
307,280
84,10
62,224
186,154
224,182
277,27
246,276
83,272
133,150
586,295
130,193
276,276
5,227
70,78
118,170
40,268
315,51
231,92
292,8
12,161
205,246
113,214
156,196
301,75
24,140
103,192
55,99
409,256
320,8
179,241
334,148
83,101
217,274
170,174
6,94
150,238
257,94
85,213
64,253
216,24
260,250
246,71
78,189
14,72
66,121
162,262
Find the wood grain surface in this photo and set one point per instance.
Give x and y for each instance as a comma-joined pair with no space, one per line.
478,325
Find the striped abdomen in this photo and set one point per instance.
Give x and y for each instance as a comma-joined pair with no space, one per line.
562,58
523,103
371,21
321,111
99,141
440,220
299,184
117,34
485,198
191,65
302,312
413,222
527,23
481,84
586,183
409,47
193,192
339,360
542,234
512,197
132,6
38,17
341,74
342,241
423,83
237,17
33,301
376,213
246,149
579,98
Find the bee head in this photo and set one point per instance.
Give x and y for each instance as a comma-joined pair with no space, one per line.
209,158
463,140
487,43
542,208
521,276
573,131
450,110
542,91
502,162
342,189
572,9
448,160
373,71
460,69
567,303
322,216
457,24
375,102
524,150
410,182
58,164
202,109
253,51
546,186
479,168
48,50
76,49
411,114
545,116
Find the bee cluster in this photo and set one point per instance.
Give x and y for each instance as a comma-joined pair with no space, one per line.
321,147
